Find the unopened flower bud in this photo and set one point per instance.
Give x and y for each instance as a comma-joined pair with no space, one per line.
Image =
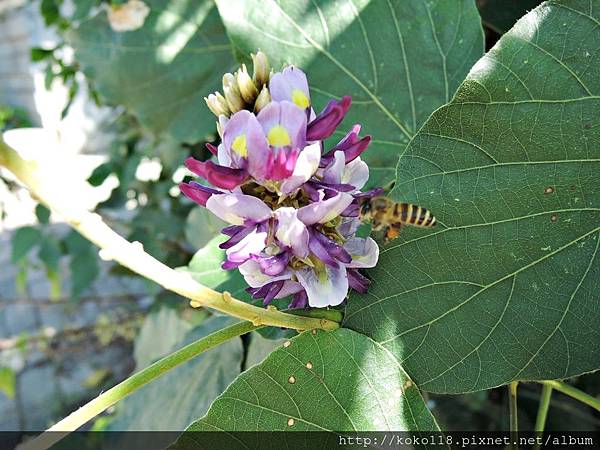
232,93
263,99
246,85
261,69
221,124
217,104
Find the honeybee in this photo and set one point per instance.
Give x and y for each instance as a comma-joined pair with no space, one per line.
389,216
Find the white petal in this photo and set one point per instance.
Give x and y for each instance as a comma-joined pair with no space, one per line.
333,172
237,208
329,289
306,166
222,156
365,252
291,231
325,210
356,173
252,244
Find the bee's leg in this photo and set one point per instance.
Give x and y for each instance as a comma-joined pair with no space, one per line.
392,231
376,225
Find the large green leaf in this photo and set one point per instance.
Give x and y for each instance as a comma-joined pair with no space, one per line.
506,287
174,400
331,381
161,71
398,59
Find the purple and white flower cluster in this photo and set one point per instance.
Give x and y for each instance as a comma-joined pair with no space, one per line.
292,206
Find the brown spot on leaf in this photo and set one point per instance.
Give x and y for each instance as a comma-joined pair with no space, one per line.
554,218
549,190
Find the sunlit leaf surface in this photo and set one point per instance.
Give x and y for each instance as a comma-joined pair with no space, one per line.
162,71
329,381
399,60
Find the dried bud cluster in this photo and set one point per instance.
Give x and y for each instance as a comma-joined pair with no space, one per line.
240,91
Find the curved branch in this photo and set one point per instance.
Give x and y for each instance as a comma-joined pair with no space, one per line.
47,189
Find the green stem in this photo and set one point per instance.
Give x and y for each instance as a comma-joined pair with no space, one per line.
134,382
573,392
514,420
540,421
54,191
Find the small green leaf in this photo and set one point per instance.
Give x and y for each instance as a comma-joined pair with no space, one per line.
8,381
24,239
42,213
84,263
50,252
201,226
205,267
332,381
39,54
399,60
100,174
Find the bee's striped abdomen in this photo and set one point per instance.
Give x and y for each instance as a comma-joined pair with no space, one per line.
414,215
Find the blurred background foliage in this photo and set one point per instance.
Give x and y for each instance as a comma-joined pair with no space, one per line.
153,81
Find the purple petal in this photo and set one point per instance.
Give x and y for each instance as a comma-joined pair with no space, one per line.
211,148
327,121
328,288
332,248
219,176
325,210
274,289
291,85
299,301
291,231
334,187
232,230
365,252
351,211
238,209
245,143
255,278
273,265
320,251
357,281
284,124
197,193
369,194
351,145
236,237
289,288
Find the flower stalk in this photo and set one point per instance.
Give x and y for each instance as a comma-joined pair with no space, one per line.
48,190
95,407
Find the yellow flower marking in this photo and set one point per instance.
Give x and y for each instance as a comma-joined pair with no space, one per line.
239,146
278,136
300,99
